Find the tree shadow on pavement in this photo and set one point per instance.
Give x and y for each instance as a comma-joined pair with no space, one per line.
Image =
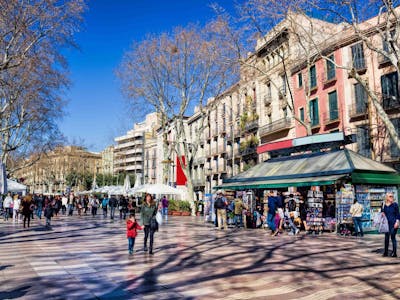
15,293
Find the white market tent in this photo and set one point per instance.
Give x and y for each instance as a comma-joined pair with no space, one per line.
15,187
158,189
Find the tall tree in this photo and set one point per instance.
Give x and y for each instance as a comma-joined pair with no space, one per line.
173,73
33,73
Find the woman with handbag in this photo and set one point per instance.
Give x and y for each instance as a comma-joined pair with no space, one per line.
391,211
147,217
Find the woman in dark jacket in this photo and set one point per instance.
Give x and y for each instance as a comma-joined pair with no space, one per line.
149,209
27,209
391,211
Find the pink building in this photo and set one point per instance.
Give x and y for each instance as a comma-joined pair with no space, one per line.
323,86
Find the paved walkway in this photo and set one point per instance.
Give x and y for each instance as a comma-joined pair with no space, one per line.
87,258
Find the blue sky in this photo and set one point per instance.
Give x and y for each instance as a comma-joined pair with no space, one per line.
96,110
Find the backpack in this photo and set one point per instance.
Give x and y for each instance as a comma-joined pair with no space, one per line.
219,203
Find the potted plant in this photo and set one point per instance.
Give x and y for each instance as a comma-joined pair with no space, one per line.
173,208
184,207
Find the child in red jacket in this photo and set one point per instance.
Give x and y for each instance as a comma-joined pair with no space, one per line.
131,232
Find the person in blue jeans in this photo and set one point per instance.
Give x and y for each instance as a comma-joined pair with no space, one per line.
356,211
104,204
391,211
272,206
165,204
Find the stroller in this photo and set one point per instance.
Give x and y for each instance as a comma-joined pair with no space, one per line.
345,229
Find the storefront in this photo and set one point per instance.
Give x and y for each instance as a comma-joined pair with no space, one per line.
327,182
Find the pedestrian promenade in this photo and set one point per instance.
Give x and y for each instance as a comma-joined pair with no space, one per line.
87,258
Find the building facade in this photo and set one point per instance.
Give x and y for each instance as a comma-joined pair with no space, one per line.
129,151
49,173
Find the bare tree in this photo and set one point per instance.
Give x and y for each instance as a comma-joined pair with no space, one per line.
173,73
33,73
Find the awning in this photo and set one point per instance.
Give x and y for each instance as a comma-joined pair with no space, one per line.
376,178
323,168
281,183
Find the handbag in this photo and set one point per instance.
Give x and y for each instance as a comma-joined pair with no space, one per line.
153,224
153,221
159,218
383,225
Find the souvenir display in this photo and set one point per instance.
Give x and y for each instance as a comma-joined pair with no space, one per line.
314,218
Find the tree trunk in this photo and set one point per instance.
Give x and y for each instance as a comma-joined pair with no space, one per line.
190,189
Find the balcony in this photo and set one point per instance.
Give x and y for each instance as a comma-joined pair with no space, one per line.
248,151
208,172
237,132
383,60
199,182
359,65
358,110
390,102
276,126
331,117
282,91
267,99
251,125
199,161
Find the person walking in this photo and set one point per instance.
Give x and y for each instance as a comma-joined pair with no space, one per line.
39,203
113,205
48,213
391,211
94,204
7,204
131,232
238,212
104,204
272,207
221,204
123,207
16,207
64,201
149,209
356,211
27,209
71,203
165,204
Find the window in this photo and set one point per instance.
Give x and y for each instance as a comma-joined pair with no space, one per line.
330,68
394,150
357,53
313,77
333,106
300,80
301,113
314,114
363,141
361,99
390,90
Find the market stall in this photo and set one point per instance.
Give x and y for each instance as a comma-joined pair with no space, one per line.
325,173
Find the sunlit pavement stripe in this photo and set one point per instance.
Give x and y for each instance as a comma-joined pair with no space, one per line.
52,273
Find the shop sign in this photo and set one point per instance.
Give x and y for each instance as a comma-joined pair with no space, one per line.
319,138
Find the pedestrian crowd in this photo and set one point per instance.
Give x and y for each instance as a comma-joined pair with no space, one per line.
23,209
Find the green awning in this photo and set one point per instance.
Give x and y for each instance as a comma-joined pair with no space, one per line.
376,178
281,183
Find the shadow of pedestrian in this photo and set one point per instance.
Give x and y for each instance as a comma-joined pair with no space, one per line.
16,293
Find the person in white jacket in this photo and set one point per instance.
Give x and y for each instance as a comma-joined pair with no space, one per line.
7,206
17,206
